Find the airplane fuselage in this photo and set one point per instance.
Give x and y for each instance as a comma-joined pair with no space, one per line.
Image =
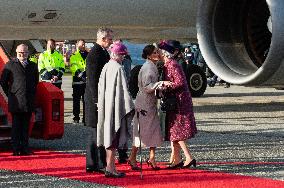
73,19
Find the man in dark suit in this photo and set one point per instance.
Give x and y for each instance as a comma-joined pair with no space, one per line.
19,80
96,59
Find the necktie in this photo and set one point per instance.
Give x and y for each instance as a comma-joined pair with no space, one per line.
24,63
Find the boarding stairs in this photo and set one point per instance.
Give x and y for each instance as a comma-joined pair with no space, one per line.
5,116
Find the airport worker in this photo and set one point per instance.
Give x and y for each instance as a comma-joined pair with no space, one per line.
51,65
96,59
115,108
188,55
19,81
78,70
180,123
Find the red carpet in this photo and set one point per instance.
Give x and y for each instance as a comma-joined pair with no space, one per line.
72,166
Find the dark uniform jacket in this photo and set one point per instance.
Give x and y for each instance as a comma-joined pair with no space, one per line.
19,83
95,62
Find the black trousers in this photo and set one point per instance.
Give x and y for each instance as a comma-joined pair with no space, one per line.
95,156
78,94
20,131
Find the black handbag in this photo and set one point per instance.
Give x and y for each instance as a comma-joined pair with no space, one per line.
168,103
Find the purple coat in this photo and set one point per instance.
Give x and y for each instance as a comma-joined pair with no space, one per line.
180,123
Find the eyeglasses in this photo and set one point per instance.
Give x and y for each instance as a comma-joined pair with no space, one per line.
22,52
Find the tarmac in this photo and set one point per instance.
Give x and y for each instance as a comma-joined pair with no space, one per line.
239,127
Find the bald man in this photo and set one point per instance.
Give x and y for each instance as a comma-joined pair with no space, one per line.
19,80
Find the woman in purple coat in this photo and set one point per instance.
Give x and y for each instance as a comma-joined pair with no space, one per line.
180,123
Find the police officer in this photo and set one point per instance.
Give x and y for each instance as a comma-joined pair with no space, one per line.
51,65
78,70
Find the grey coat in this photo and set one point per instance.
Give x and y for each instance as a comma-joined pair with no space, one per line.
150,130
115,107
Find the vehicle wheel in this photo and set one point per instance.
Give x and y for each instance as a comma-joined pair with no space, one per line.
197,81
133,82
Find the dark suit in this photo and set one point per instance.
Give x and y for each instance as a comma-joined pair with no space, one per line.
96,59
19,83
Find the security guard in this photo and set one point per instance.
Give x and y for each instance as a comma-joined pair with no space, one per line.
51,65
77,68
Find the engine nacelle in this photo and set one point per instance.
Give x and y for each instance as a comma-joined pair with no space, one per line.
242,41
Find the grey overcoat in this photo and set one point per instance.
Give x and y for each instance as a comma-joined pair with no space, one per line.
115,107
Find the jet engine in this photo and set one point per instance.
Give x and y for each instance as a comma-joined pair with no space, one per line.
242,41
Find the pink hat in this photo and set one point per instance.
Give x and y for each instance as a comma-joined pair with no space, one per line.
118,48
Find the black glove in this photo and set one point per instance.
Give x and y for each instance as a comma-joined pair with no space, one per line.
54,72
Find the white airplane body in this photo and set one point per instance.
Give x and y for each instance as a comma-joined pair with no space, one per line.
242,40
74,19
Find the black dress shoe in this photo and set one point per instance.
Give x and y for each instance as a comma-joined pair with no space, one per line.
90,170
16,153
26,152
149,163
176,166
95,170
192,162
133,165
114,174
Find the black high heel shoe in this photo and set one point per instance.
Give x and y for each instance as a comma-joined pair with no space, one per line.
114,174
192,162
176,166
133,167
149,163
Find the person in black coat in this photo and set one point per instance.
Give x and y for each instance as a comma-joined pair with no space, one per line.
19,80
96,59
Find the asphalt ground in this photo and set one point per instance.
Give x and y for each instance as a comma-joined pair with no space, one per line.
240,131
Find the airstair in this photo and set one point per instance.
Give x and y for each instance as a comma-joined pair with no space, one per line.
5,116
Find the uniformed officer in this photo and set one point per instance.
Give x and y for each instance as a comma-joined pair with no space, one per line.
78,70
51,65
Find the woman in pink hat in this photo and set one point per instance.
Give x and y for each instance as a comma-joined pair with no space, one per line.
115,108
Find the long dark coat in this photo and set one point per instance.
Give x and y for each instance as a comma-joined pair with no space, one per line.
95,62
19,83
